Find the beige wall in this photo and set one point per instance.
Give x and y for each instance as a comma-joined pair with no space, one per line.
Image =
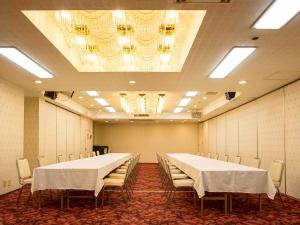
147,138
52,131
11,133
268,128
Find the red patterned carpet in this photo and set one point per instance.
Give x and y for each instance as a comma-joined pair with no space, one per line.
147,206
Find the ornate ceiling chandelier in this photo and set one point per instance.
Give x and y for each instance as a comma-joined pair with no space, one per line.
121,40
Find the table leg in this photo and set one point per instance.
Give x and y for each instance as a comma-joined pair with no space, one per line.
202,205
230,203
225,203
260,203
39,199
62,199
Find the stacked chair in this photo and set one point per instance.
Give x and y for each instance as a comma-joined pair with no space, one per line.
173,178
122,178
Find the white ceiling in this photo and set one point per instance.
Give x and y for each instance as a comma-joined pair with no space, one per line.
274,63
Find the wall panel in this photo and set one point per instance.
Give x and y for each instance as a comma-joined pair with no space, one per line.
292,138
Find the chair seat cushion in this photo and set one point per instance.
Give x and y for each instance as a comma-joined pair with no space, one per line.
179,176
116,175
176,171
113,182
27,181
123,167
121,171
183,183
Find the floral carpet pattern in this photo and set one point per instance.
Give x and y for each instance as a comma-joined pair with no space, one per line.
147,206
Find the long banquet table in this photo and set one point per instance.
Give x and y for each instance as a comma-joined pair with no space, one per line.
218,176
81,174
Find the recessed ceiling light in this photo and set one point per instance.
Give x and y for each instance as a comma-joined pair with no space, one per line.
178,110
92,105
243,82
188,111
131,82
204,97
191,93
106,121
92,93
110,109
278,14
25,62
102,101
131,121
184,102
38,81
171,120
234,57
80,97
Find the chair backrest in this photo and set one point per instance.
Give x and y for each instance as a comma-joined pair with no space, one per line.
23,169
223,158
237,159
60,158
42,161
71,157
255,162
81,155
215,156
275,171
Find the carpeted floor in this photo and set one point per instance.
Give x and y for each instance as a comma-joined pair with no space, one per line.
147,206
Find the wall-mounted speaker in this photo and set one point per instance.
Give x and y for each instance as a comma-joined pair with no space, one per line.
229,95
51,94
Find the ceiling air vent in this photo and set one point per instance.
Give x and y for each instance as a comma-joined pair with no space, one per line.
202,1
141,115
196,115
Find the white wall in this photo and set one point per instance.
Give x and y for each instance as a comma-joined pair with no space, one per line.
148,138
11,133
268,128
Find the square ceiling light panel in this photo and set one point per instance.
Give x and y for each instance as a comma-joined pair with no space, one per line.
121,40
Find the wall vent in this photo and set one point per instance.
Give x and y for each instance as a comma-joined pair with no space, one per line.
196,115
202,1
211,93
141,115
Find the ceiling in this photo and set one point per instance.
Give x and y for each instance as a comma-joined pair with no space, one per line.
274,63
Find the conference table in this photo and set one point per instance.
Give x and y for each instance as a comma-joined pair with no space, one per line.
211,175
81,174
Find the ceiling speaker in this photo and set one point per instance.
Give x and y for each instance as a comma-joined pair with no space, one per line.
51,94
229,95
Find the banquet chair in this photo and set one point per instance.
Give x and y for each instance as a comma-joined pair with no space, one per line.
237,159
254,162
120,183
81,155
223,158
24,175
178,183
42,161
215,156
209,155
93,153
276,170
60,158
71,157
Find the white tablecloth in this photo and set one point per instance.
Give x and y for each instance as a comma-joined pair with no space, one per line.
218,176
82,174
